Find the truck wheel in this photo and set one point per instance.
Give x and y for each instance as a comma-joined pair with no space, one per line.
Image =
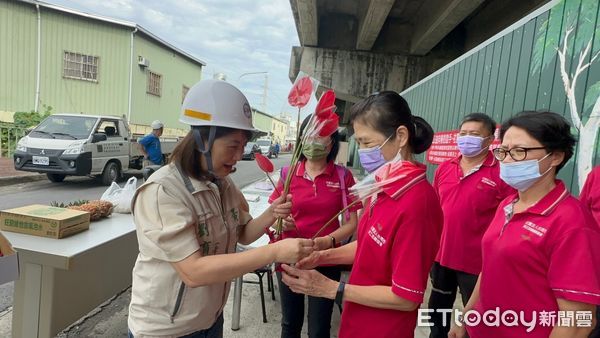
111,173
56,178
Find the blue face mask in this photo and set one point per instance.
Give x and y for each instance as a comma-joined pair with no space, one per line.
372,158
523,174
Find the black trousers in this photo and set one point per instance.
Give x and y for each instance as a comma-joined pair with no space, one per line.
319,309
596,332
445,282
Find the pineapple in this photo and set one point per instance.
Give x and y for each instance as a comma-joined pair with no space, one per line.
94,210
105,207
97,209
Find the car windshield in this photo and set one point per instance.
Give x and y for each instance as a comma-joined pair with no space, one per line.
249,146
263,143
65,127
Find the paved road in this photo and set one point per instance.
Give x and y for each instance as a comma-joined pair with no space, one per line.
74,188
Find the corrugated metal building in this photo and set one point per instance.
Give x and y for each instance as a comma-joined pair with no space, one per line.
78,62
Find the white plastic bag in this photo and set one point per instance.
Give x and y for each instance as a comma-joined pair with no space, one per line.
121,197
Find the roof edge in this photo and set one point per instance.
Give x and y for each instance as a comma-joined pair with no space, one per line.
132,25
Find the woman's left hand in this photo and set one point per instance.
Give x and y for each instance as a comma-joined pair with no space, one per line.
282,208
309,282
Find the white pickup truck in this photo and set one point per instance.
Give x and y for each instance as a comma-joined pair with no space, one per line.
82,145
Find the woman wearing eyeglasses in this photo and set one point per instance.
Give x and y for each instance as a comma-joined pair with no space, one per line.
541,258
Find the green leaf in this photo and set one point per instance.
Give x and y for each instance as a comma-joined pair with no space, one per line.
551,33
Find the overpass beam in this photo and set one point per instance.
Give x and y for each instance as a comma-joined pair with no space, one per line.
436,19
370,23
357,74
307,21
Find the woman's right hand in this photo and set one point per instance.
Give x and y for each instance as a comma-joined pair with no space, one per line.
292,250
457,332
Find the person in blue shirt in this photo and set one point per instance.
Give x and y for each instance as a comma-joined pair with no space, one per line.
149,145
277,149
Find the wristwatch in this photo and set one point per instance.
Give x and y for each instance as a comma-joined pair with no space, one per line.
332,241
339,296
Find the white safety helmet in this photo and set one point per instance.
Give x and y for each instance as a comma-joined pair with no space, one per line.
216,103
156,124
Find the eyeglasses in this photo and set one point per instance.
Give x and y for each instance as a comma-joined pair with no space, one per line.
516,153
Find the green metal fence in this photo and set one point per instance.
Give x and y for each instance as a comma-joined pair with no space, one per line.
9,136
520,69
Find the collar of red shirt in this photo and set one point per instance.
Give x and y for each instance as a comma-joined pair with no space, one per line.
328,170
414,173
547,203
489,161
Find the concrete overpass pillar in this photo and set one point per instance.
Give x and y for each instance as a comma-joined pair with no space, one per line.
357,74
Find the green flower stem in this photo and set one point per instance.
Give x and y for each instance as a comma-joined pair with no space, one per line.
334,218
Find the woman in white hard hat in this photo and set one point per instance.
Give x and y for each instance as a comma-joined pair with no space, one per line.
189,216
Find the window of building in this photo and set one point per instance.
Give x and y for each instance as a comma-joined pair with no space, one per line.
184,91
80,66
154,83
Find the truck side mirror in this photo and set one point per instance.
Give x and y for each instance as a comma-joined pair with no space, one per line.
98,137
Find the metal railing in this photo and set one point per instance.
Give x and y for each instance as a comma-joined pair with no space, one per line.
9,136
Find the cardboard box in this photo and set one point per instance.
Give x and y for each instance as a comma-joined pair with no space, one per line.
43,220
9,262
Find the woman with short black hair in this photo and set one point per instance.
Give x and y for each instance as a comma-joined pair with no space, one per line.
541,255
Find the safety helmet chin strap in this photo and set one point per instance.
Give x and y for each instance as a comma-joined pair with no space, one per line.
203,147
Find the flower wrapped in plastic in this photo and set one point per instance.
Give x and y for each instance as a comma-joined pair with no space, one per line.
322,123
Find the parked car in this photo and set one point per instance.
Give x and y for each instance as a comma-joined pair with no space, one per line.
251,150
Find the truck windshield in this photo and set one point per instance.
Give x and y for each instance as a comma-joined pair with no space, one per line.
67,127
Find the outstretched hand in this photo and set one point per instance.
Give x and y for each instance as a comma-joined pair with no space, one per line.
309,282
291,250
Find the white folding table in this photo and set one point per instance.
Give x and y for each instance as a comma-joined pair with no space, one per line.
64,279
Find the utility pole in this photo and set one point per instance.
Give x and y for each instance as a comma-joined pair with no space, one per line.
265,89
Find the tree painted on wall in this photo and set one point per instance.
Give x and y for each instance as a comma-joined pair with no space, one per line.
568,16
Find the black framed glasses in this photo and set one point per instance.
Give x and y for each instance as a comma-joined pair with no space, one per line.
516,153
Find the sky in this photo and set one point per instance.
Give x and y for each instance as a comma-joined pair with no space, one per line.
231,36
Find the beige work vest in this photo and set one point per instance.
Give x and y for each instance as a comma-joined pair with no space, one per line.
172,224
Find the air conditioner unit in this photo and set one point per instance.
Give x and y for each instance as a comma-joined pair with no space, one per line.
143,62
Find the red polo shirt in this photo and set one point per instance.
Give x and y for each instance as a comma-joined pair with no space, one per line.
590,194
547,252
315,201
469,204
397,240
